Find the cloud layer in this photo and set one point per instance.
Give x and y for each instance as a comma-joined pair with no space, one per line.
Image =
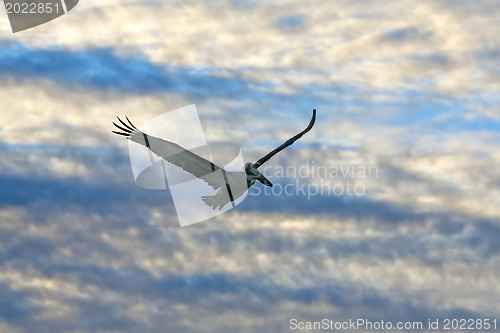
408,88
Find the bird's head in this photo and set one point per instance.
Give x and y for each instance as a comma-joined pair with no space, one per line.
254,174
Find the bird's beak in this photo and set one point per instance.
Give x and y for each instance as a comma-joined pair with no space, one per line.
264,180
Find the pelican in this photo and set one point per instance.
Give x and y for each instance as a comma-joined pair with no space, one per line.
201,168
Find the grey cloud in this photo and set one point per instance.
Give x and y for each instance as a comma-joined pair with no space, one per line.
16,305
408,34
212,294
79,69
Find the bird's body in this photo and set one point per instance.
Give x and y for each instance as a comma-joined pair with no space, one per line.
230,185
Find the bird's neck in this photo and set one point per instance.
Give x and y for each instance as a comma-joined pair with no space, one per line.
252,172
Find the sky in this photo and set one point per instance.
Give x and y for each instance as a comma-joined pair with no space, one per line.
408,88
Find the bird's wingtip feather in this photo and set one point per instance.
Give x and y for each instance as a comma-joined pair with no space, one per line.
120,133
125,124
131,123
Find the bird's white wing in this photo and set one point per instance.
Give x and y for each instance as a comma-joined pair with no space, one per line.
176,155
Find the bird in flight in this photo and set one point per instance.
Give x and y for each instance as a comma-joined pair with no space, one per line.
229,185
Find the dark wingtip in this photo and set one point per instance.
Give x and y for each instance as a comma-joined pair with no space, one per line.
131,123
120,133
124,124
126,130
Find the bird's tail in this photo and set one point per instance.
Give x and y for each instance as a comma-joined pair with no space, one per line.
213,201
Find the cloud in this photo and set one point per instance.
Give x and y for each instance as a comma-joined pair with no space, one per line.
407,34
102,69
410,91
340,41
131,277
